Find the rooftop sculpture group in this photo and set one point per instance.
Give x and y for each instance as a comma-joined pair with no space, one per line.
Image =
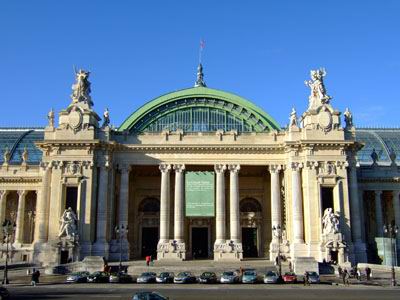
318,94
81,89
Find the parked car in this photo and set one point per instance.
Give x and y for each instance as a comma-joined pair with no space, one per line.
120,277
290,277
249,276
4,293
77,277
148,296
147,277
208,277
165,277
98,277
271,277
185,277
313,277
229,277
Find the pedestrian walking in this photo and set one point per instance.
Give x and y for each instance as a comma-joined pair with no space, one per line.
345,277
306,278
35,278
340,271
368,272
148,259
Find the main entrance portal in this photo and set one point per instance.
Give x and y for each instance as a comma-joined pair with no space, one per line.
149,241
199,242
249,242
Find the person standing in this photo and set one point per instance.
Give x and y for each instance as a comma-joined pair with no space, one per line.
345,277
35,278
306,278
368,272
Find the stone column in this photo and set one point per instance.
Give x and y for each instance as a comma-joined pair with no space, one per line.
42,208
124,207
378,214
276,218
19,231
3,199
220,230
101,246
297,205
164,203
234,203
179,203
396,208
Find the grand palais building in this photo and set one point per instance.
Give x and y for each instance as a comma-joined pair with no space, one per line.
199,173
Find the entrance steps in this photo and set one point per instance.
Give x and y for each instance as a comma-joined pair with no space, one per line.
197,267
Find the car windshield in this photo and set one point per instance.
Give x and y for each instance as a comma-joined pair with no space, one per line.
289,274
164,274
207,274
250,273
96,274
270,273
148,274
228,274
183,274
312,274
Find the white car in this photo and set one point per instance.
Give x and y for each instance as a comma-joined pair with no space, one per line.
271,277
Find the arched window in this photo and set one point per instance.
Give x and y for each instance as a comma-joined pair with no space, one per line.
250,205
149,205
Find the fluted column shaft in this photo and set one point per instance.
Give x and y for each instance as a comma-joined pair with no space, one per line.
19,231
3,199
124,197
165,202
179,203
234,203
220,231
42,209
396,208
378,214
276,218
297,204
102,206
355,206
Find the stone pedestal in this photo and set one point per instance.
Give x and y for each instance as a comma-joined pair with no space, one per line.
332,245
171,250
303,264
229,250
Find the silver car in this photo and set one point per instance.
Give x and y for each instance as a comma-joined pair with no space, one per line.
230,277
147,277
78,277
271,277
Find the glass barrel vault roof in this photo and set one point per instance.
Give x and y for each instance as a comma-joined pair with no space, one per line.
16,139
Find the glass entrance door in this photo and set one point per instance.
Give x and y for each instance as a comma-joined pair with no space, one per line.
199,242
249,242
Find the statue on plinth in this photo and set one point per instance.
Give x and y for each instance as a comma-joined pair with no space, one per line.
24,156
106,118
6,155
348,118
81,88
50,118
330,222
318,94
293,118
68,224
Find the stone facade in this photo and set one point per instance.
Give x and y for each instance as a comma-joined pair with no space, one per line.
266,177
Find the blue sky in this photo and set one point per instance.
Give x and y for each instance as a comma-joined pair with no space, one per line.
260,50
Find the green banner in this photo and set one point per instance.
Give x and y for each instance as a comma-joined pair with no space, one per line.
199,194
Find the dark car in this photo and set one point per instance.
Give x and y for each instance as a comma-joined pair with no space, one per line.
147,277
208,277
78,277
185,277
98,277
165,277
4,294
120,278
148,296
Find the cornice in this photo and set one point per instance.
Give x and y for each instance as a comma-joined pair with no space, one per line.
20,179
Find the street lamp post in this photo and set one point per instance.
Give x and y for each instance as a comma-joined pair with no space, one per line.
120,232
8,231
277,231
391,230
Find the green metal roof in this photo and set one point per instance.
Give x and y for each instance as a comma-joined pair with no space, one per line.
246,109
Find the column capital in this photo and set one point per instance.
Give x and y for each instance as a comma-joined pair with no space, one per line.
179,168
164,168
312,165
296,166
3,193
21,193
274,169
234,168
125,168
219,168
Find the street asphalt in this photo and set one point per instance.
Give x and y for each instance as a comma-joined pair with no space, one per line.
203,292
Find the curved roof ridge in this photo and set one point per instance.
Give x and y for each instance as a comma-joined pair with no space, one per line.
199,92
14,147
